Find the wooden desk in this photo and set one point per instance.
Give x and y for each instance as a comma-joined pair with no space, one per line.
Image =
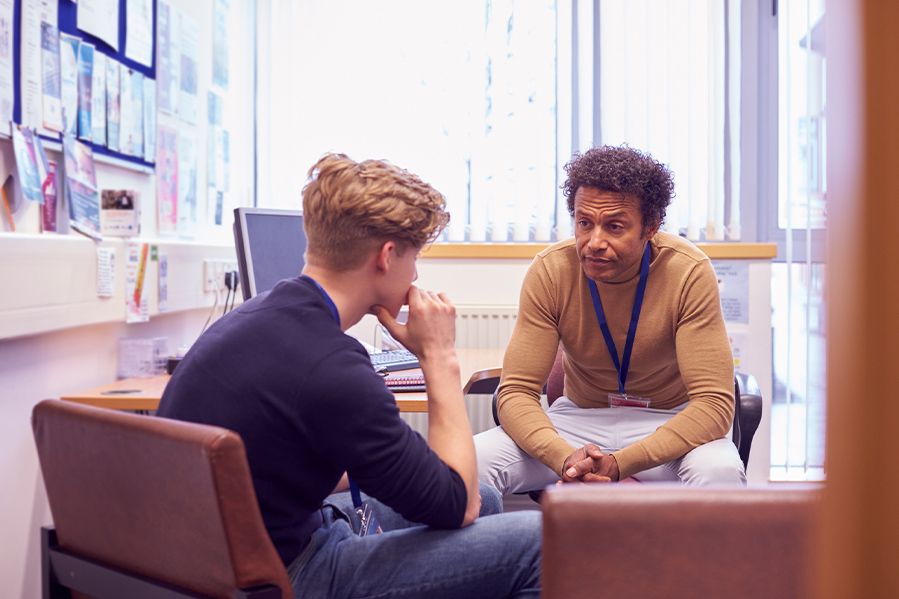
145,393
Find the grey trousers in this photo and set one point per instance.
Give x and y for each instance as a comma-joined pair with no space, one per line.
502,464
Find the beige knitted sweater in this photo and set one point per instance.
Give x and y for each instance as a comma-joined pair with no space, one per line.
681,352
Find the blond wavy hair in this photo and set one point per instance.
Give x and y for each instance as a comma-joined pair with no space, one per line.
351,208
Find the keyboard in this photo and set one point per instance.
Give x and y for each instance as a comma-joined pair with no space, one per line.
395,359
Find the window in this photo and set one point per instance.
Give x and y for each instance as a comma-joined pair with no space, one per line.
796,219
487,100
463,94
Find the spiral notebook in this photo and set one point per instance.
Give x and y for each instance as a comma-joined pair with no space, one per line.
405,383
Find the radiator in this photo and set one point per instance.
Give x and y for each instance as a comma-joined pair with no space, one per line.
476,327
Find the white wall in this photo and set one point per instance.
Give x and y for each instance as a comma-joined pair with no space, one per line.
44,366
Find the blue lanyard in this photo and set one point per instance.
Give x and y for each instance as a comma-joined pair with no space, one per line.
354,488
331,305
623,366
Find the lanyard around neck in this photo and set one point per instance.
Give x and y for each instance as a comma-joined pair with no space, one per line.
331,305
354,488
622,366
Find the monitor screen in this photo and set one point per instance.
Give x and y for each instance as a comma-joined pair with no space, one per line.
270,246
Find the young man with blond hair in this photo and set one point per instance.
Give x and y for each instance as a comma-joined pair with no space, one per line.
304,397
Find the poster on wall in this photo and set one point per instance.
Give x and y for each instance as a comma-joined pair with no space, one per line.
68,74
220,13
187,186
733,287
113,106
139,31
188,100
168,58
33,68
100,18
166,180
98,100
85,90
149,119
51,93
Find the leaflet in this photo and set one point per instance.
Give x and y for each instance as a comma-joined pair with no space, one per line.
51,95
149,119
139,31
100,18
32,71
68,72
113,112
190,51
81,187
85,90
98,100
26,166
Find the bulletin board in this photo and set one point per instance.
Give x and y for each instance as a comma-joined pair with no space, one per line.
67,23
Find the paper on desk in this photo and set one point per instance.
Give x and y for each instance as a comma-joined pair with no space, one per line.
100,18
105,272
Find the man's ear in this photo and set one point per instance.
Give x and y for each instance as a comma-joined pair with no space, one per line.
385,254
650,231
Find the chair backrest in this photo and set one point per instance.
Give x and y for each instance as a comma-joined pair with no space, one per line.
676,542
749,408
165,500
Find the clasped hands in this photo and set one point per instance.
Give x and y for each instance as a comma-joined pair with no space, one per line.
589,465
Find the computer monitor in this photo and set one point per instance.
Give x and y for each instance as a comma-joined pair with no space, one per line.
270,246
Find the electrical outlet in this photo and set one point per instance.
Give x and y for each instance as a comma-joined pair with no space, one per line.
209,275
214,273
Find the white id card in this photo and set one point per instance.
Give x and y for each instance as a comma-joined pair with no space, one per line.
623,400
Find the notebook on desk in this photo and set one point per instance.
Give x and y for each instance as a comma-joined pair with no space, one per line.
407,382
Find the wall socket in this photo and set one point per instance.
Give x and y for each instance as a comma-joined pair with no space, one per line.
214,273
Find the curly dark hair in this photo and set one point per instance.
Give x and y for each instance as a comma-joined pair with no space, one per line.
622,169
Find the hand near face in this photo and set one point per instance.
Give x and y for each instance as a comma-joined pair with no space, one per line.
431,326
589,464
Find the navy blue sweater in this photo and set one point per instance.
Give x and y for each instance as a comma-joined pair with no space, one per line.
305,400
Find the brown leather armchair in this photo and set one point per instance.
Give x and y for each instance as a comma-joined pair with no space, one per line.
671,541
149,507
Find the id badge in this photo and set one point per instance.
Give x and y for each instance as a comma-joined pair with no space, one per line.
623,400
368,522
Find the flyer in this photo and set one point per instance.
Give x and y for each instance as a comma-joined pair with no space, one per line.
81,187
85,90
68,73
98,100
51,94
113,113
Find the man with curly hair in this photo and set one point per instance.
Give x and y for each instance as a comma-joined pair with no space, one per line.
648,368
310,408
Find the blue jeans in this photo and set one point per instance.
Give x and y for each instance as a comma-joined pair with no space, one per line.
497,556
